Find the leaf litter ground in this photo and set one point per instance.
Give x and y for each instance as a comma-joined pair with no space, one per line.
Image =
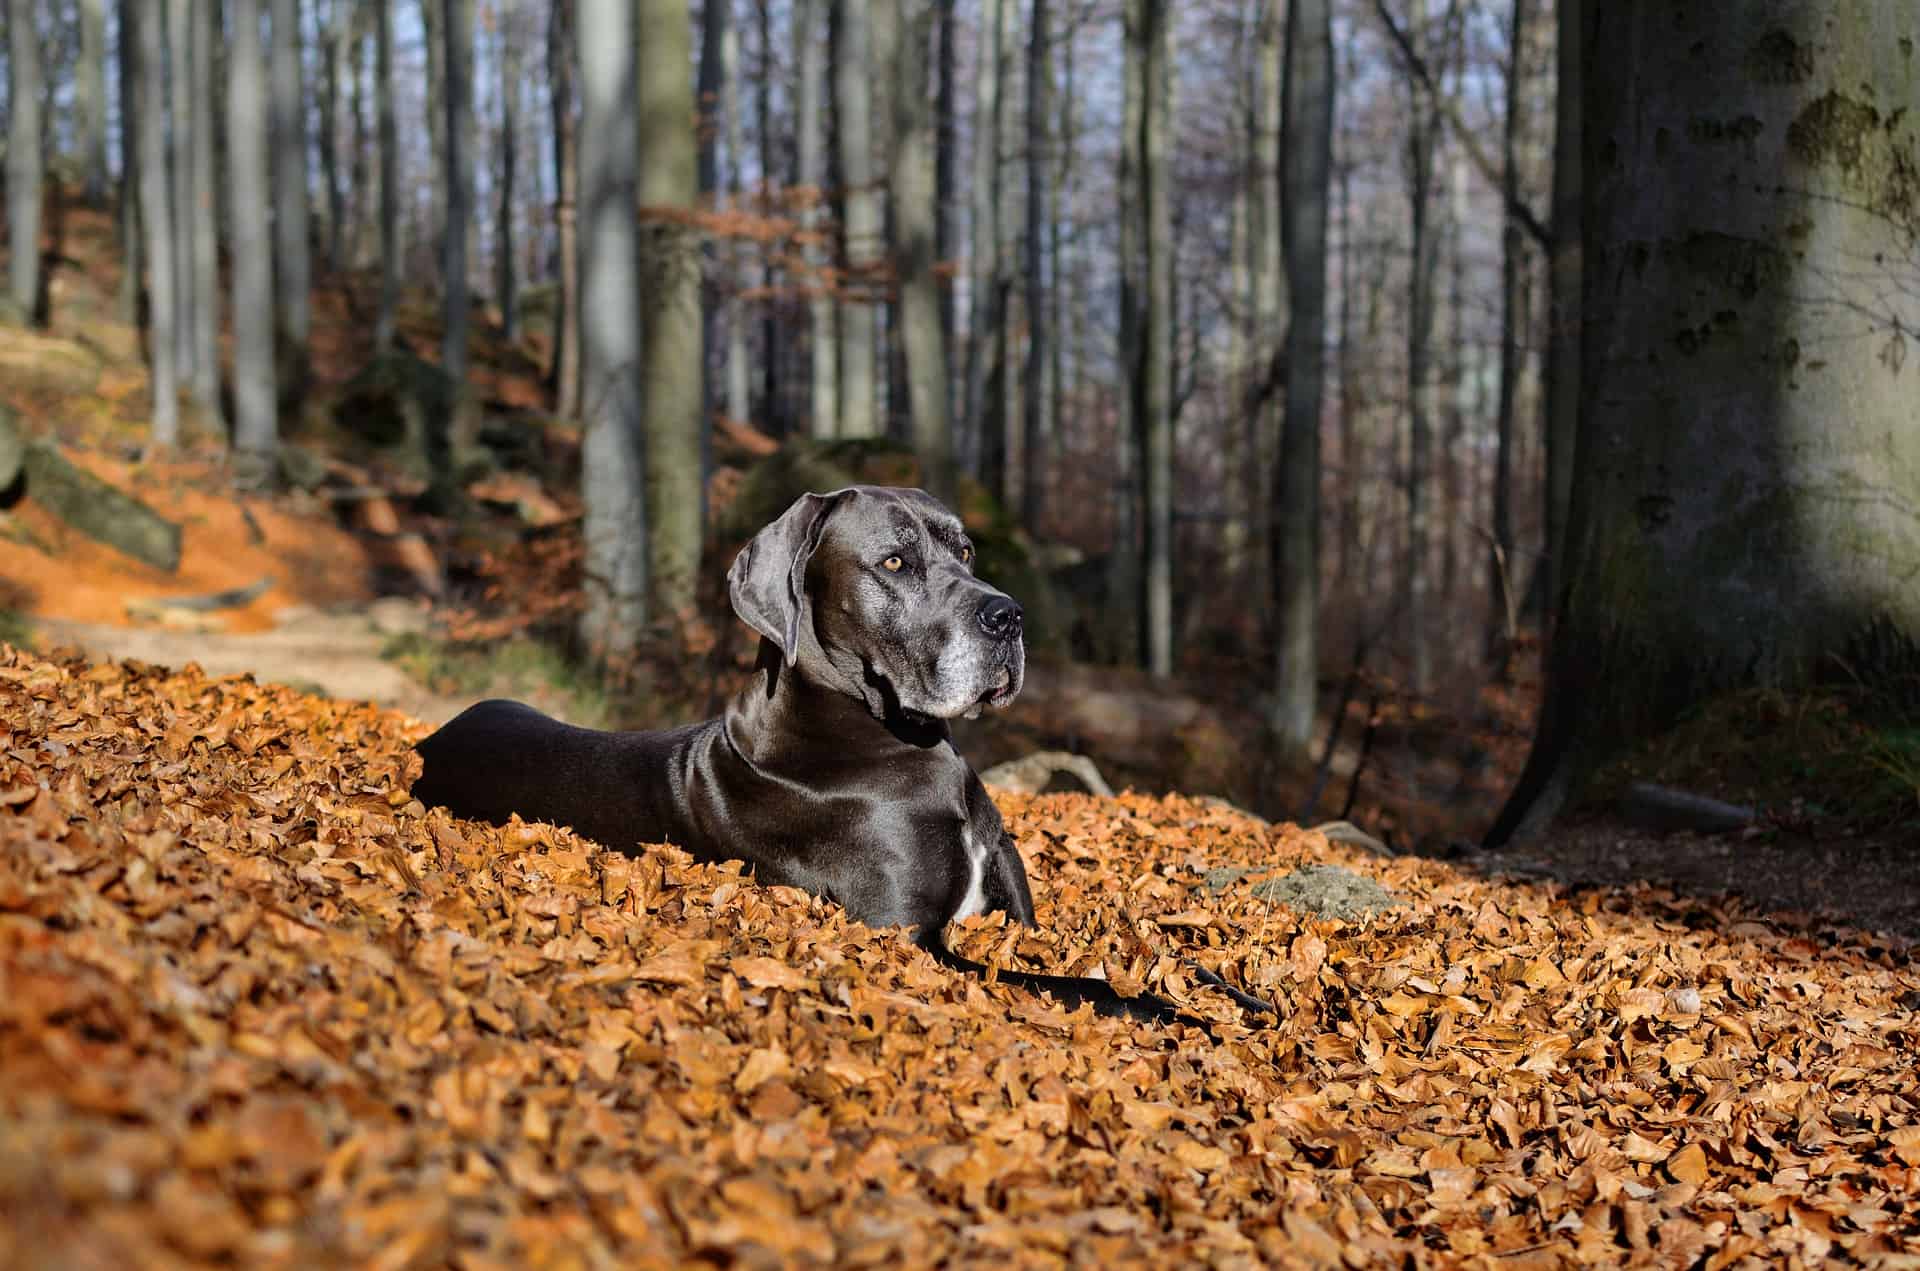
257,1006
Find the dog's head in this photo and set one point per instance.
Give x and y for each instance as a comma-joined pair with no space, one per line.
871,589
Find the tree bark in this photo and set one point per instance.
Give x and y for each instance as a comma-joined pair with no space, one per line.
1156,379
389,134
1036,402
1513,246
181,73
946,179
914,235
1268,262
739,389
673,344
255,392
456,310
292,230
205,223
983,410
26,161
1307,132
433,22
335,34
130,228
564,377
156,206
1744,502
90,94
1422,139
1564,275
506,271
1124,620
615,528
810,130
863,229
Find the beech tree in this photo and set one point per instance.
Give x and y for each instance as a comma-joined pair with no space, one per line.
292,219
249,182
1743,504
862,228
912,186
811,170
388,129
25,159
156,214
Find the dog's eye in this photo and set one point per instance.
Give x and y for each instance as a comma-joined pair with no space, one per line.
966,554
893,564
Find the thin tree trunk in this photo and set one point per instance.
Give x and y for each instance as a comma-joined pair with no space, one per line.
255,395
863,231
363,216
673,346
206,220
293,267
389,132
506,275
1036,403
1348,474
946,180
1423,131
333,35
773,346
26,161
983,326
710,129
181,73
1512,314
130,226
157,214
1156,393
456,307
565,375
811,138
739,390
914,200
1267,259
433,22
1307,132
90,93
615,527
1125,620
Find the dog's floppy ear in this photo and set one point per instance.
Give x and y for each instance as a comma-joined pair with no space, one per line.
768,579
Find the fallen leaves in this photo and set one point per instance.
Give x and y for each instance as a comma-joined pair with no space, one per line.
257,1005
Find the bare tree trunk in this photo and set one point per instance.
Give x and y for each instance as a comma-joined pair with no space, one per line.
90,94
433,22
1156,380
1267,259
293,268
773,343
389,131
946,181
130,228
811,137
363,217
1307,132
710,129
156,206
205,224
565,375
1125,621
1348,474
615,529
506,274
673,344
1423,134
1036,402
249,194
26,161
914,199
863,229
983,325
739,389
1513,246
181,72
336,35
1565,280
448,454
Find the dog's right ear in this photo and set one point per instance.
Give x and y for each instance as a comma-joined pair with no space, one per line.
768,579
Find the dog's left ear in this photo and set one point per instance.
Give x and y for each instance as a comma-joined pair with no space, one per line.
768,579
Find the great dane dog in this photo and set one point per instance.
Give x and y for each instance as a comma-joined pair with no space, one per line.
833,770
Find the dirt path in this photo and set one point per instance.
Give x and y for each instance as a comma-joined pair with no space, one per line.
334,653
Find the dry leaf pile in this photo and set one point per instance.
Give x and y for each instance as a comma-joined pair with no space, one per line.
258,1006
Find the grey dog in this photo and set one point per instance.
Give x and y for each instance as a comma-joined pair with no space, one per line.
833,770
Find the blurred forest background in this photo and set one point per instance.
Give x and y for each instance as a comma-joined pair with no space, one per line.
1346,386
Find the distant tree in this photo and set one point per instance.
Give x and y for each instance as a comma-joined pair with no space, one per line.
1423,134
433,26
1744,507
336,23
616,527
249,207
456,309
1513,297
129,226
388,130
181,74
862,227
912,187
1036,400
25,159
1154,414
292,220
1562,423
203,262
156,214
90,97
506,283
1307,147
984,439
672,341
810,141
564,375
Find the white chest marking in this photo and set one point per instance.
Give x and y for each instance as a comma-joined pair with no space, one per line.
975,901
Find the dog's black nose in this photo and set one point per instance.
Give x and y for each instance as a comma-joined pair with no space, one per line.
1000,617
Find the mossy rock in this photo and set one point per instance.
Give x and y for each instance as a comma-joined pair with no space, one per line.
1328,891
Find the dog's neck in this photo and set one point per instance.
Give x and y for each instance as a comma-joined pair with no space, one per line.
831,714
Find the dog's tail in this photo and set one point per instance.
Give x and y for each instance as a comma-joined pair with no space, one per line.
1073,991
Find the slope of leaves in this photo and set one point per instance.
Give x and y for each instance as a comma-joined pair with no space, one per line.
257,1005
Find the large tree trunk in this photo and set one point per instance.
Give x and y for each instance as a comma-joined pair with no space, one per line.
156,207
564,377
914,200
389,133
1308,157
673,343
1562,422
983,410
90,96
862,230
615,526
205,223
1743,508
1035,400
292,264
255,395
506,271
25,160
1156,376
811,164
